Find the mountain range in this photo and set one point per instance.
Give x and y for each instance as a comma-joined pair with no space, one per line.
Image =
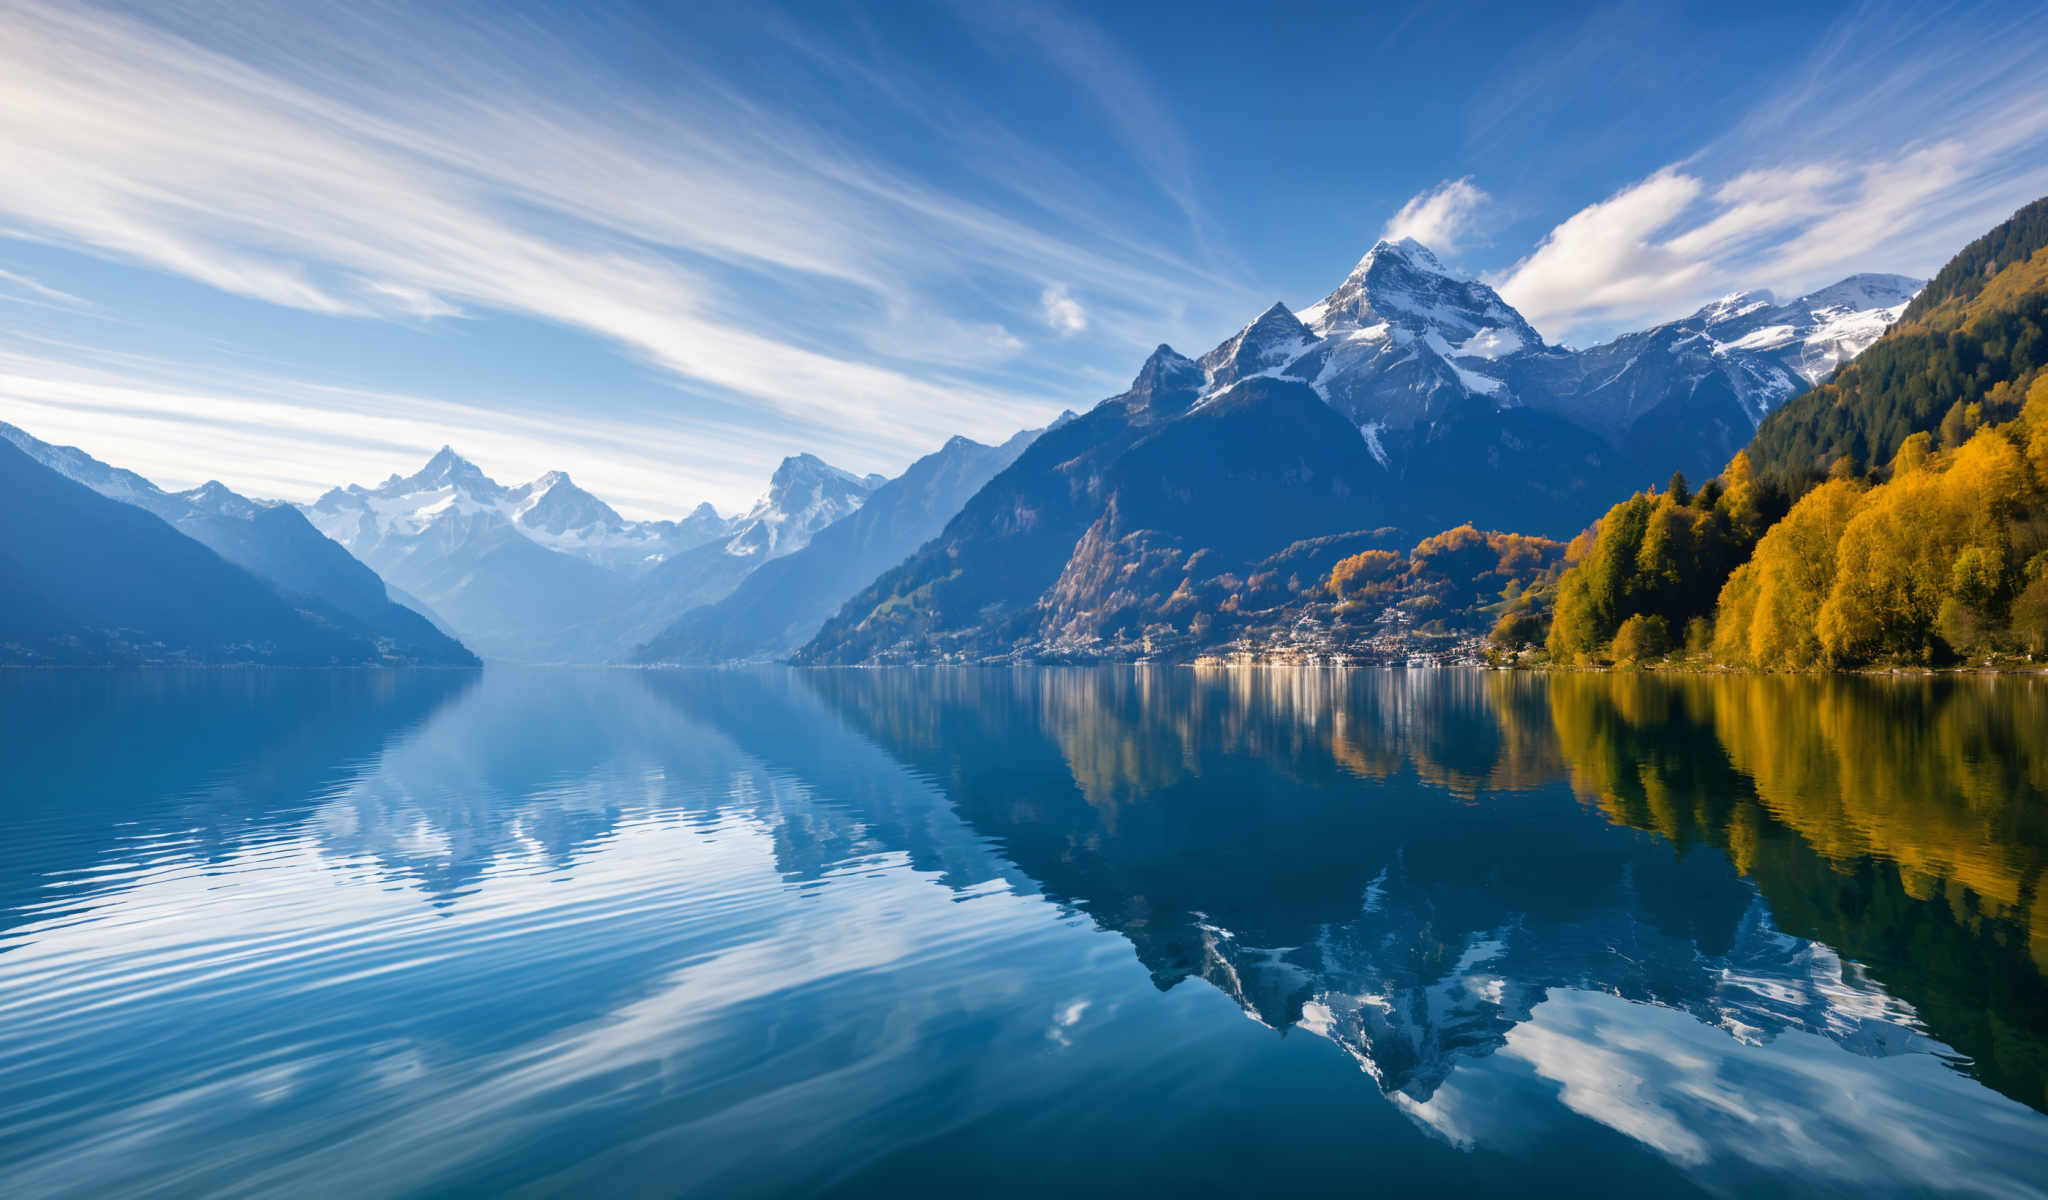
1409,400
547,572
1405,347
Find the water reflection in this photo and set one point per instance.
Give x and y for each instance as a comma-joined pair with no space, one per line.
110,771
1900,821
763,932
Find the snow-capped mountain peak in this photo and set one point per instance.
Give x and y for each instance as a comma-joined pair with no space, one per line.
1405,343
452,501
80,467
1734,306
1264,347
1410,251
805,494
1402,283
554,504
445,469
1863,292
1397,341
210,499
1690,392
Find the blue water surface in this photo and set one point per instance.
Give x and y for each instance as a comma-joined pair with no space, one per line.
1019,932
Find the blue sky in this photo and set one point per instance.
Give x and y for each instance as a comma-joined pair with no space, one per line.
289,246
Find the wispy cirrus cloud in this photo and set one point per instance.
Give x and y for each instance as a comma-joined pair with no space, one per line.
269,435
1906,135
36,290
347,163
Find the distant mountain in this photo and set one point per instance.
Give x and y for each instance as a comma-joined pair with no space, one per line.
1688,394
273,541
1977,336
88,580
552,512
547,572
521,573
806,495
781,605
1407,401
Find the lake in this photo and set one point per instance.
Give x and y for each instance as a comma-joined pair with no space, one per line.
1021,932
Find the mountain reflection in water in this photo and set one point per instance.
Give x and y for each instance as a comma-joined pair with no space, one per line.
863,931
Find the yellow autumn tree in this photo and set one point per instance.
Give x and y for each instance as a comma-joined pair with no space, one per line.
1769,607
1927,555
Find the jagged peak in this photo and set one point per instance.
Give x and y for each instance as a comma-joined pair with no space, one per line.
1401,283
1406,250
1274,339
446,467
1166,370
806,466
704,512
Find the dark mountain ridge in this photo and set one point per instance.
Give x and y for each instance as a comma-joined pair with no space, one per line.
275,542
93,581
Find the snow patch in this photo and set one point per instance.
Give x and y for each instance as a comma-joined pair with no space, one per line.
1371,431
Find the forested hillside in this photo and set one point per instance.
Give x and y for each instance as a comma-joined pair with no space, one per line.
1913,492
1962,355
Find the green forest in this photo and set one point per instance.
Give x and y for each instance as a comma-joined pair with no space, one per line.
1896,514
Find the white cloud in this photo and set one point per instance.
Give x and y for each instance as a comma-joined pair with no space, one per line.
1604,259
1063,313
1441,218
1907,134
1661,247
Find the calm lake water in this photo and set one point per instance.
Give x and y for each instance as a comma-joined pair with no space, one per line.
1035,932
